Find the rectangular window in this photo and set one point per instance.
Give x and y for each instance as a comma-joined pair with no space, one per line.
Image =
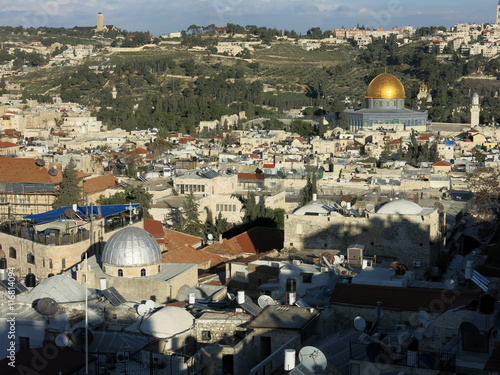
306,277
30,258
206,335
63,263
240,275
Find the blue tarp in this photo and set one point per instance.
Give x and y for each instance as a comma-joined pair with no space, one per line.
82,211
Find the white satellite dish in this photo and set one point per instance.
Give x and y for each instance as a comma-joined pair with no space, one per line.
142,310
370,207
210,236
62,340
336,259
360,323
150,304
264,300
343,204
313,359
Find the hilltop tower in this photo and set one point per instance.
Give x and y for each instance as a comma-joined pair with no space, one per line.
474,110
99,22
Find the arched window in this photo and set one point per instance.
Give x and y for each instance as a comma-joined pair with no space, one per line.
159,268
143,272
12,252
120,272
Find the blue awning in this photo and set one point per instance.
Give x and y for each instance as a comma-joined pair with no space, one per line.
81,211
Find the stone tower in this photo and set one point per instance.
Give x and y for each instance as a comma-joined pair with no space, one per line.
100,22
474,110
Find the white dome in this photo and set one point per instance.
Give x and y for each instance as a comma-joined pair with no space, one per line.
167,322
400,207
60,288
131,247
316,209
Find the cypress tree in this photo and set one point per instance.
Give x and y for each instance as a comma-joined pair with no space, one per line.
70,191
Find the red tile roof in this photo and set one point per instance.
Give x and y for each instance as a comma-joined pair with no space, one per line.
140,150
268,166
99,184
188,254
7,144
250,176
406,299
174,239
154,228
10,169
441,163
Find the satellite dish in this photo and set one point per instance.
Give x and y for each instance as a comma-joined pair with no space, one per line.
47,306
142,310
62,340
360,323
210,236
264,300
336,259
343,204
69,213
53,172
370,207
150,304
449,284
40,162
439,206
312,358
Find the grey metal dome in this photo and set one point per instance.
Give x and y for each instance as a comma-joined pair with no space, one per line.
130,247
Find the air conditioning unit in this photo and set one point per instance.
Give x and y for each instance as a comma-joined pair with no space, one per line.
122,357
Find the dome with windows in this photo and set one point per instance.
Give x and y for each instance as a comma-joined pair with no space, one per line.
400,207
385,86
131,247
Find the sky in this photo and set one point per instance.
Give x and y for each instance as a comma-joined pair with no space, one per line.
164,16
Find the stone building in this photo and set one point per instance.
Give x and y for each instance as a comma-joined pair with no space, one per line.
400,229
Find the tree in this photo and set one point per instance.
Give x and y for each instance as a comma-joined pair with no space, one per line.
131,194
70,190
188,220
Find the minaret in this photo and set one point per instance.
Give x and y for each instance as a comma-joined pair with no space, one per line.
498,13
100,22
474,110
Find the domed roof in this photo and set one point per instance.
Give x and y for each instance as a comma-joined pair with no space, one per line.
167,322
61,288
130,247
385,86
400,207
316,209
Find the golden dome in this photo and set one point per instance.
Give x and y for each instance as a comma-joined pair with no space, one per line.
385,86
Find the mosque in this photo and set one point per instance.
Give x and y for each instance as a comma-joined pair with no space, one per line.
385,100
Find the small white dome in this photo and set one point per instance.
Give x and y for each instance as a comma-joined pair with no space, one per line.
167,322
400,207
131,247
61,288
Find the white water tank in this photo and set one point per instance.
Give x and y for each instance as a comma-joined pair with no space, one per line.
289,359
241,296
103,283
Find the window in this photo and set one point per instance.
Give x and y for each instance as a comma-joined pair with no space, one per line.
120,272
63,263
239,275
30,258
159,268
307,277
12,252
206,335
143,272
